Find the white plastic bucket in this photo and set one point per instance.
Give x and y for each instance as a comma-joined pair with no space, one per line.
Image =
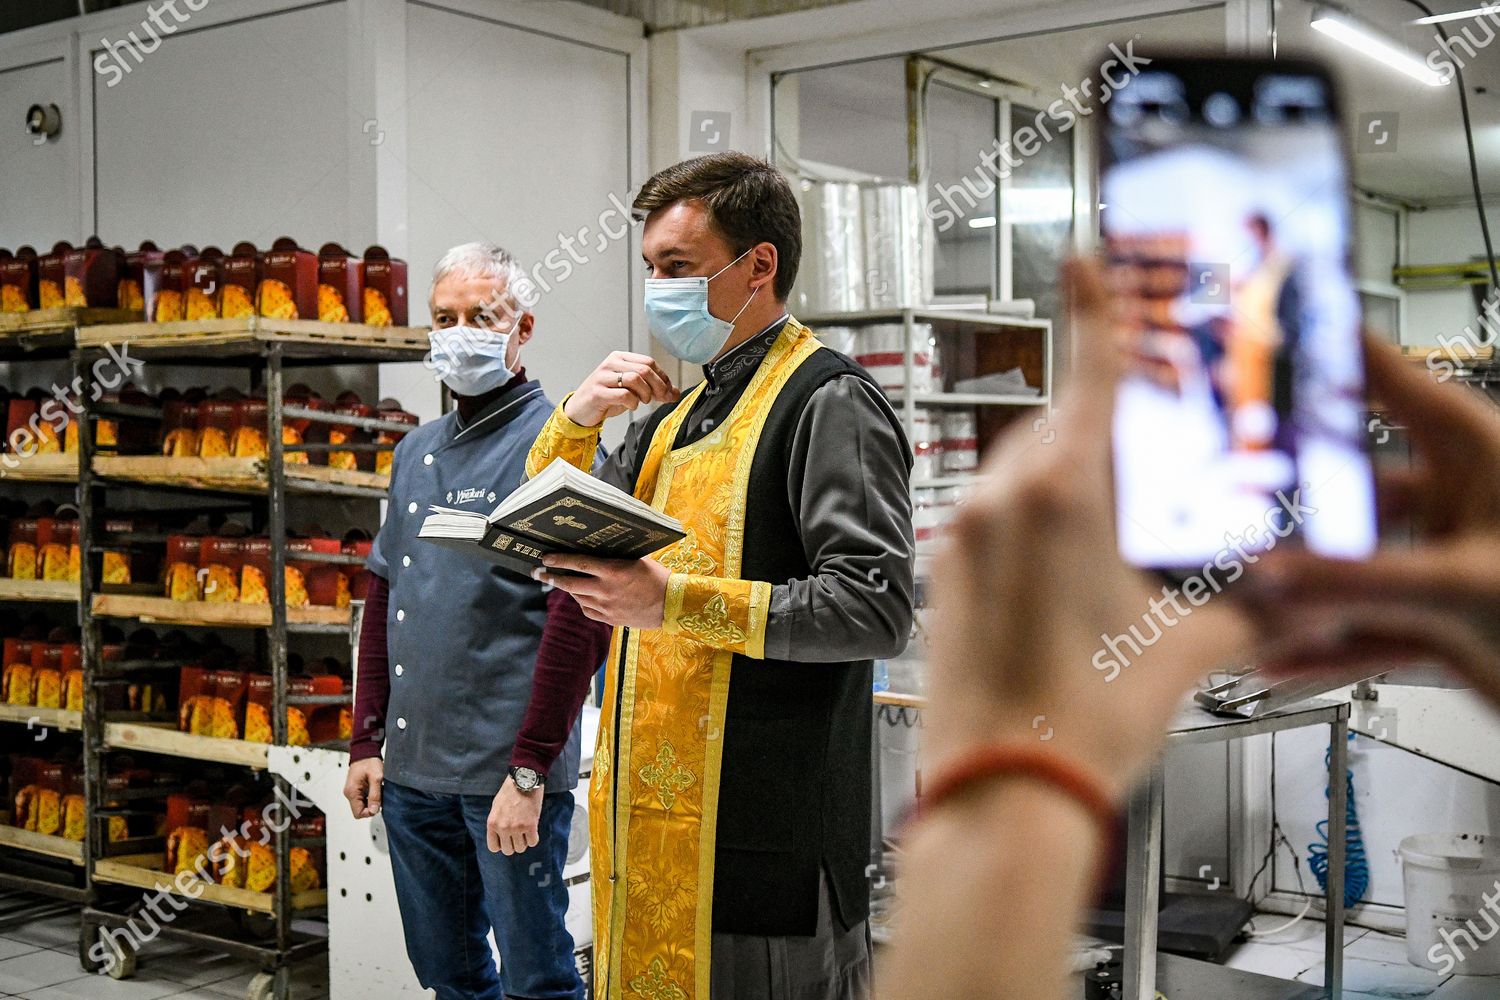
1452,883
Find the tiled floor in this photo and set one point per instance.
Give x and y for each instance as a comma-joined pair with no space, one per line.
1375,965
40,962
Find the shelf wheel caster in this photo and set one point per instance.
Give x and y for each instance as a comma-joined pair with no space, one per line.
263,986
119,955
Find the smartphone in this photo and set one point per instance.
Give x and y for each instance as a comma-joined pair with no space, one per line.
1225,212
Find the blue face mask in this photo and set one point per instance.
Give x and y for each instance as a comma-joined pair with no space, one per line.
469,359
677,315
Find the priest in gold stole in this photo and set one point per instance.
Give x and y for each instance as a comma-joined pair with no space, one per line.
730,802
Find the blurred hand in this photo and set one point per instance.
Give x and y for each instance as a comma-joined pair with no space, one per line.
623,381
362,786
1438,601
513,819
1030,581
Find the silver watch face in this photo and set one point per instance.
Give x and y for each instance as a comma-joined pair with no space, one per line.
527,779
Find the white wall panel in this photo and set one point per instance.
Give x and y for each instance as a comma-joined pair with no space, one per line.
229,131
37,202
520,137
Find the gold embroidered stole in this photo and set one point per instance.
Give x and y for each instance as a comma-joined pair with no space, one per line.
654,792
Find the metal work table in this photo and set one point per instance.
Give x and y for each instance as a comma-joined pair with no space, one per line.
1190,978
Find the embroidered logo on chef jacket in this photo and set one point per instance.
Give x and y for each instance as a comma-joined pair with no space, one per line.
471,494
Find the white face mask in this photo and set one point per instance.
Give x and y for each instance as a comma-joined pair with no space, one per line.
677,314
469,359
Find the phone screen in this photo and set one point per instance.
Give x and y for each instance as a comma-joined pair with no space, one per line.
1239,422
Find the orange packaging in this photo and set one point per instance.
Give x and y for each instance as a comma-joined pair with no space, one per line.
348,404
340,285
117,562
205,278
384,298
51,272
255,571
47,671
165,282
299,572
183,555
259,691
294,430
21,558
194,694
131,291
216,424
247,437
219,562
288,282
18,281
390,410
242,270
179,425
229,689
51,549
318,583
91,275
18,681
297,732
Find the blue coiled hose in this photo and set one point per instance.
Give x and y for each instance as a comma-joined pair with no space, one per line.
1356,863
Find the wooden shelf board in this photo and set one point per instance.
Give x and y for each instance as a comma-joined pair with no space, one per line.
248,475
53,467
42,718
168,611
42,843
144,871
64,318
167,740
248,330
39,590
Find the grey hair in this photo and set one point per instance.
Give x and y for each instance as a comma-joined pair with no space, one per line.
487,260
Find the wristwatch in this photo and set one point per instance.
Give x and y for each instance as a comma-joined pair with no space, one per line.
526,778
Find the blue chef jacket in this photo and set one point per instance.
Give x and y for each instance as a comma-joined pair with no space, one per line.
462,633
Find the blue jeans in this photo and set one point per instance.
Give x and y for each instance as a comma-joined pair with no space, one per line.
452,891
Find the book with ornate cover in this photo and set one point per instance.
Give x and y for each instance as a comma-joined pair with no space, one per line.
560,509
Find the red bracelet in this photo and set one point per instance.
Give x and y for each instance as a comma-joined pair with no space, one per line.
1007,760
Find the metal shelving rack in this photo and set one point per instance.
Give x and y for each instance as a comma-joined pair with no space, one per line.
37,864
267,348
950,320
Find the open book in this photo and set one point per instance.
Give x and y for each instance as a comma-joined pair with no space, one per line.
560,509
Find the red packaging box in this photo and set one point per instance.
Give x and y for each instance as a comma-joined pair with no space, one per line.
131,291
219,563
164,284
91,275
202,285
340,285
384,297
288,282
18,281
242,270
51,271
184,552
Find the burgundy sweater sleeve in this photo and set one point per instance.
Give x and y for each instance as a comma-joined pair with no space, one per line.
573,647
373,684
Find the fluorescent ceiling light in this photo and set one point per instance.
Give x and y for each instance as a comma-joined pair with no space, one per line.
982,222
1460,15
1341,27
1029,206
